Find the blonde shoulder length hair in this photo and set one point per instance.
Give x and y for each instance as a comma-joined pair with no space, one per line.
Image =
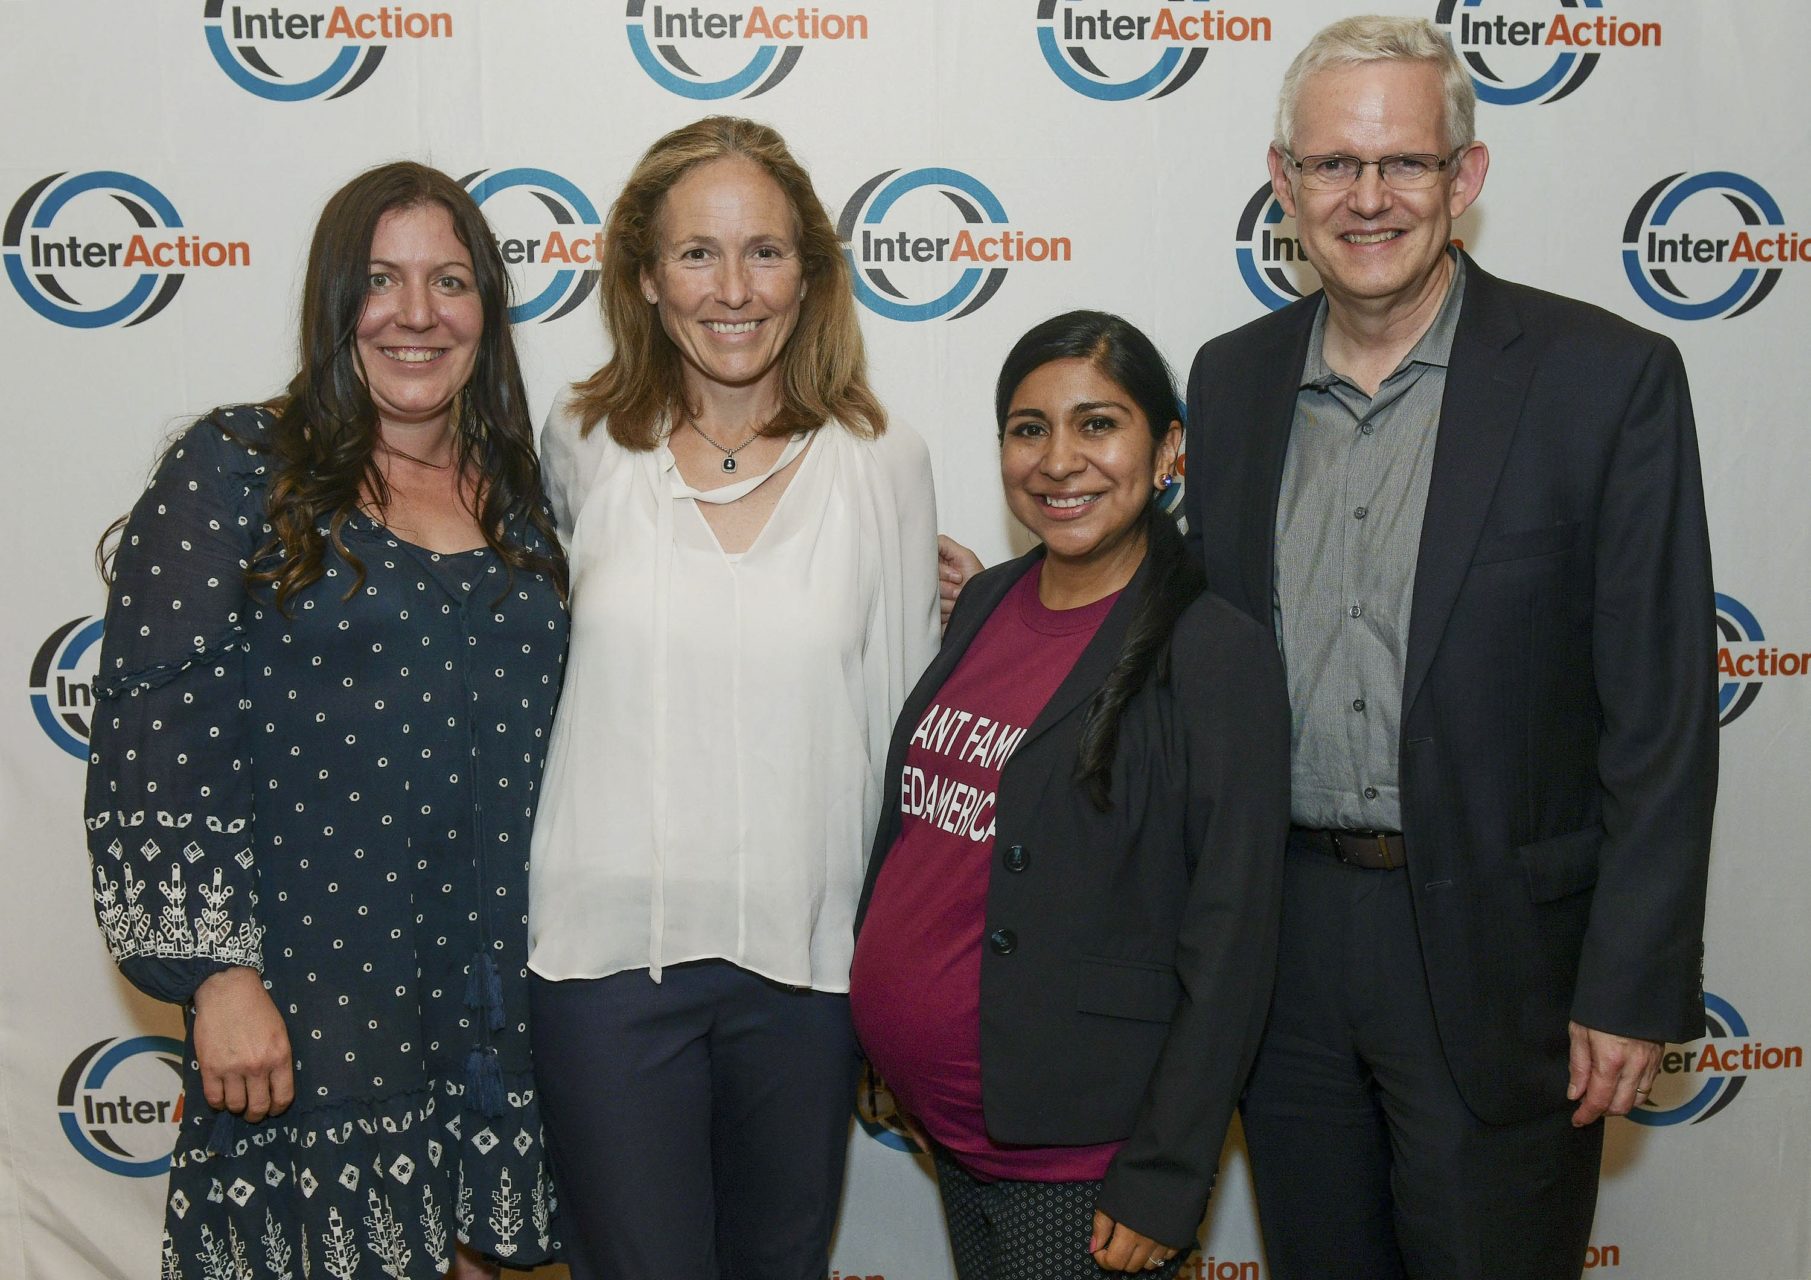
823,368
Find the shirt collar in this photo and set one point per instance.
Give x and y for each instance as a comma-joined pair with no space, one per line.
1434,348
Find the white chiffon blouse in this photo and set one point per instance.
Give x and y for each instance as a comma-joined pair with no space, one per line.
713,781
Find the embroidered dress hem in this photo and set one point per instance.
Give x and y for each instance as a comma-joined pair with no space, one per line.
362,1189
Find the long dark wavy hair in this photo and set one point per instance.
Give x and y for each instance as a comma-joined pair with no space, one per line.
1121,351
323,443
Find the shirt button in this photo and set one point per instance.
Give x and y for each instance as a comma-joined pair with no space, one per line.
1361,513
1003,942
1370,793
1016,858
1355,611
1366,428
1358,704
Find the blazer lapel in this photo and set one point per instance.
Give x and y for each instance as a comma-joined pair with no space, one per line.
1486,381
1090,670
1270,411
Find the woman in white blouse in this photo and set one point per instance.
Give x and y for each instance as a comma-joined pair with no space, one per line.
753,556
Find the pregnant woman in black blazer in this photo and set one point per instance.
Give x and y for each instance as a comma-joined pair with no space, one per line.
1068,929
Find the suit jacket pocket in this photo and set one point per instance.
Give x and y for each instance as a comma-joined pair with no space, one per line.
1127,989
1525,544
1561,865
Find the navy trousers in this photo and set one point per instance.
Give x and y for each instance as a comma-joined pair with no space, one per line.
698,1126
1366,1163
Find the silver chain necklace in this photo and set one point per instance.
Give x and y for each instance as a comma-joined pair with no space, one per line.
729,455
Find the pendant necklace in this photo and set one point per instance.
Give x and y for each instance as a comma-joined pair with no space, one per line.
729,455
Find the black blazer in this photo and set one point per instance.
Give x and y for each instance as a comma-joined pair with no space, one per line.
1128,955
1559,727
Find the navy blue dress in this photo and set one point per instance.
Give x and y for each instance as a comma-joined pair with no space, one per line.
341,798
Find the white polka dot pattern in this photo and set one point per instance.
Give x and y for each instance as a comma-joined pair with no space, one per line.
340,797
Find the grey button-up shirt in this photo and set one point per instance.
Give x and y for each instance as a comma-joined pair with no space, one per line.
1348,532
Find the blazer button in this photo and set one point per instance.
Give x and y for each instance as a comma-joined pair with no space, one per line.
1016,858
1003,942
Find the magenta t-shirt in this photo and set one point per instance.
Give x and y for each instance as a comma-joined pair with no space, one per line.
915,984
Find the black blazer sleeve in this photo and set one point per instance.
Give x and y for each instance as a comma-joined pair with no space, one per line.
1232,718
1652,646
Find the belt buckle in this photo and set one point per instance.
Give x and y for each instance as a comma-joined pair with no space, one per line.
1363,840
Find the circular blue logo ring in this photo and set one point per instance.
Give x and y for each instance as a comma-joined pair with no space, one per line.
67,656
1742,620
1106,90
1250,270
94,1078
1711,1088
878,207
1502,95
341,69
543,180
49,205
1730,298
700,90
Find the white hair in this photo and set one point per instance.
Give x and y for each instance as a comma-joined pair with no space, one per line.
1381,38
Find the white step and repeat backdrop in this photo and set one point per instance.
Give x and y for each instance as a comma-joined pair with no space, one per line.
990,162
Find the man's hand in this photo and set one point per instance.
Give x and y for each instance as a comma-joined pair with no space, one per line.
1116,1247
242,1046
1610,1074
956,564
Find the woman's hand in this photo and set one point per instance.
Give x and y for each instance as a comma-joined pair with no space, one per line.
914,1130
956,564
242,1046
1116,1247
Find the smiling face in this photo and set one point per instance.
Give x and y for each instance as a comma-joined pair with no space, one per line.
728,278
1079,465
1376,247
418,333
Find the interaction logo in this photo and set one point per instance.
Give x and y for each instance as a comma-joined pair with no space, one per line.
297,54
1269,253
1702,245
727,50
1208,1267
62,684
1151,53
1698,1081
559,257
66,240
1745,660
119,1107
905,269
878,1113
1522,51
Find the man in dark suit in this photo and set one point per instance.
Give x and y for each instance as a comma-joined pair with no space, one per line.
1472,514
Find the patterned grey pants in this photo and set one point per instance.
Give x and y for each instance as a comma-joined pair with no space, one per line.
1023,1230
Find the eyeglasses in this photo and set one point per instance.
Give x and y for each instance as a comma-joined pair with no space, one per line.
1409,172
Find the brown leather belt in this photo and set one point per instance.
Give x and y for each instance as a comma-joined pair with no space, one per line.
1372,850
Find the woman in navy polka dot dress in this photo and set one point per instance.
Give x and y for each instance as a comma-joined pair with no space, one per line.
333,645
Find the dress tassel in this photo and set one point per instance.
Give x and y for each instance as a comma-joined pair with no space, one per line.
484,989
224,1136
484,1081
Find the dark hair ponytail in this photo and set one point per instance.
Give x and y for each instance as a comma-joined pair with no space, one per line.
1120,350
1173,580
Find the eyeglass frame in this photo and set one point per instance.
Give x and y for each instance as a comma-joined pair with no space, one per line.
1441,165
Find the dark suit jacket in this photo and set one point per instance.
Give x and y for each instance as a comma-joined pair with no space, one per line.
1559,727
1144,938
